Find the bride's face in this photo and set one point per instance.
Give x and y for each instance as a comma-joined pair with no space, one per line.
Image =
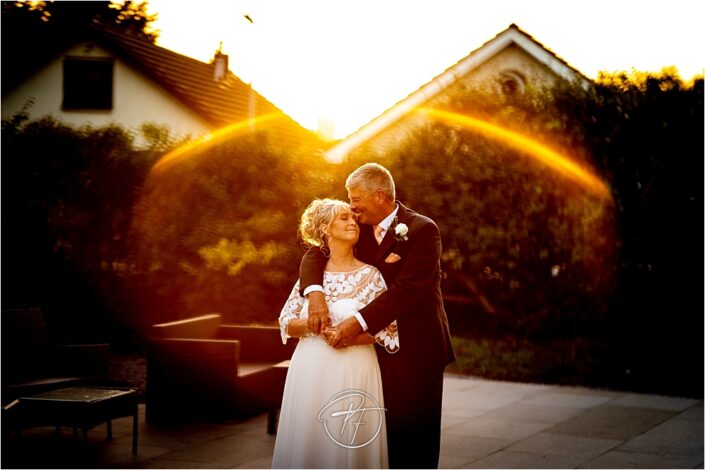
344,228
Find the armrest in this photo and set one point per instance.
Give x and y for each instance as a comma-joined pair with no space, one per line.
203,327
259,343
81,359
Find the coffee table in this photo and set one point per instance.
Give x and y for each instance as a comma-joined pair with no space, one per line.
80,407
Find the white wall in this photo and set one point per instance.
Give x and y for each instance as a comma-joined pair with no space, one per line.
512,58
136,99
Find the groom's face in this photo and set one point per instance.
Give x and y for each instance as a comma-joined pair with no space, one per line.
365,206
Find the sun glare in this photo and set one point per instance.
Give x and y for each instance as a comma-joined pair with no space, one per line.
347,62
549,157
211,139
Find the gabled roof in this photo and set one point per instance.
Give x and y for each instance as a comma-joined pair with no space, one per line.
219,103
512,35
191,81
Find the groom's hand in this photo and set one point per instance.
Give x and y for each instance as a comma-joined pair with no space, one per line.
347,332
318,318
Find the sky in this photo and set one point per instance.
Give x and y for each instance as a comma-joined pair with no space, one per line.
346,61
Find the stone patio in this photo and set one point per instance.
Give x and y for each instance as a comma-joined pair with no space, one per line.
486,424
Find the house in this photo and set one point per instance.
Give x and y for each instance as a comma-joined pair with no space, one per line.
508,63
103,76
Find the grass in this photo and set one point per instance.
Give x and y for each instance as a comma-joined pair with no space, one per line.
568,362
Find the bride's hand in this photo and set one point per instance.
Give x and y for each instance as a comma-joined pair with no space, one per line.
318,318
346,333
330,334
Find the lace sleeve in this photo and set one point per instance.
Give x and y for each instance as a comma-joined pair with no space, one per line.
291,310
387,338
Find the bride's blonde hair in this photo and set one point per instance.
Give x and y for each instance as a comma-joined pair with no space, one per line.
317,218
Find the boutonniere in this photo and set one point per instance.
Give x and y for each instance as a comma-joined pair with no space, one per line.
400,231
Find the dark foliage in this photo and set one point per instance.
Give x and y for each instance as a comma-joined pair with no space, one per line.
532,256
216,231
35,32
107,243
66,210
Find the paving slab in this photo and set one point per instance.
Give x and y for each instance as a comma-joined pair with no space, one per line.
694,413
451,461
179,435
119,454
512,388
455,382
227,452
448,421
675,436
261,462
483,426
658,402
530,413
583,448
570,398
612,422
169,463
513,459
473,399
623,459
486,424
468,448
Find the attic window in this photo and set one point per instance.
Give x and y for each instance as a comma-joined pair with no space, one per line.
511,83
88,83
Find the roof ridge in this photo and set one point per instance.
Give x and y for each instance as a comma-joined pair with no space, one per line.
547,49
357,137
189,79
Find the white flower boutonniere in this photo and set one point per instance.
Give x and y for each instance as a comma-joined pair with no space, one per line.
400,231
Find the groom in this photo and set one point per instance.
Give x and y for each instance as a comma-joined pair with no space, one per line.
406,248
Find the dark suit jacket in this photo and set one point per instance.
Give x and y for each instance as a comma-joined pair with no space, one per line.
413,297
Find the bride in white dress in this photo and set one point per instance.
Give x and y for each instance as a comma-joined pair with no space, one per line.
332,413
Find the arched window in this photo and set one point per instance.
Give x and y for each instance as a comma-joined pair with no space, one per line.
511,82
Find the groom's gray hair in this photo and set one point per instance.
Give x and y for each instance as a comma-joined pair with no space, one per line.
372,177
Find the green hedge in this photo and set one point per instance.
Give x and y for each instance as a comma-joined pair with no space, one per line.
108,243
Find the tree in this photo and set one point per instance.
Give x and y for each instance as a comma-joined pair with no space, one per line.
539,258
648,130
67,204
34,32
63,17
532,248
87,218
215,231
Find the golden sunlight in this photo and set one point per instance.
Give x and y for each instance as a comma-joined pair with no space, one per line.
211,139
317,59
545,155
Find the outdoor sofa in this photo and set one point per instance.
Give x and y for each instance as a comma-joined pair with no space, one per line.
201,369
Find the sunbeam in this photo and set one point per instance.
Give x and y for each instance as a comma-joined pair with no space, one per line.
545,155
212,139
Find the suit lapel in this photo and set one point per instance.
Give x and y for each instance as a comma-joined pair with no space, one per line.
367,248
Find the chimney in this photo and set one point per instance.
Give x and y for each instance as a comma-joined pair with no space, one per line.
220,64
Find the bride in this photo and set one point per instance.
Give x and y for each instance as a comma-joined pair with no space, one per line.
332,413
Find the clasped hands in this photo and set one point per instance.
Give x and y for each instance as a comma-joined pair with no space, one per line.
319,323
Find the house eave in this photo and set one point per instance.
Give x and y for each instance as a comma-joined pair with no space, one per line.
512,35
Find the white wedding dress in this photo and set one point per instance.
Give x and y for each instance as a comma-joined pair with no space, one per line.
332,411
